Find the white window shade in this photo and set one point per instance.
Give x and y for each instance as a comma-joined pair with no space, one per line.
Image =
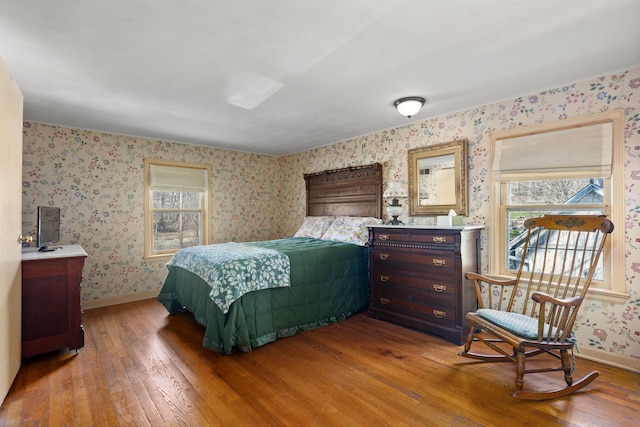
583,152
172,178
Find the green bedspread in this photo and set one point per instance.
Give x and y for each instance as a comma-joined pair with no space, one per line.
329,282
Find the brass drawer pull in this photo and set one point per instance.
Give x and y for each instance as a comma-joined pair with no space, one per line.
384,257
384,237
439,239
384,300
439,288
384,278
439,262
439,314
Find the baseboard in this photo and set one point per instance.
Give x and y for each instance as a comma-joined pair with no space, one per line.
121,299
613,359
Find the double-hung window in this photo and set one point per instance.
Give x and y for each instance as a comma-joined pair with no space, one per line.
569,167
176,207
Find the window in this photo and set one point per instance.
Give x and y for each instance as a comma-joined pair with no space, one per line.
176,207
528,199
571,166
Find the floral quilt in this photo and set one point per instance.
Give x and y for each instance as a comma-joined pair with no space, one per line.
233,269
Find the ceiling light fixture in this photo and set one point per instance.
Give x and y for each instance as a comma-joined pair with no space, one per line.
409,106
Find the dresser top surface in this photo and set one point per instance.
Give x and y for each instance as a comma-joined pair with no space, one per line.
428,227
62,251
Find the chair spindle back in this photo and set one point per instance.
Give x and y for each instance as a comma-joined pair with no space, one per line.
559,258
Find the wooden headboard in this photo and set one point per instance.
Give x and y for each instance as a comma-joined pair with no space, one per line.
353,191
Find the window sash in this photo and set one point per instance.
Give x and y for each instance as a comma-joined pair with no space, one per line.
160,245
538,210
541,209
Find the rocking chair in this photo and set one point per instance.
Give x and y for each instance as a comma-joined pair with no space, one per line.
534,313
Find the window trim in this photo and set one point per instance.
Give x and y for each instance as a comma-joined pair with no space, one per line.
149,254
615,290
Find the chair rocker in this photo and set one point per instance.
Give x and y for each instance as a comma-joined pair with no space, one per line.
534,313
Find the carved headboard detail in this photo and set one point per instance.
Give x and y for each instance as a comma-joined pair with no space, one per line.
353,191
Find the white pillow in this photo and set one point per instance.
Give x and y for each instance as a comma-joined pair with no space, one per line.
314,226
358,221
350,229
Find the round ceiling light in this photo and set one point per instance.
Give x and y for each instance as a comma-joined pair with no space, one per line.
409,106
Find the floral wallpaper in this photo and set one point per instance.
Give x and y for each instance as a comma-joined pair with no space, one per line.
96,179
603,326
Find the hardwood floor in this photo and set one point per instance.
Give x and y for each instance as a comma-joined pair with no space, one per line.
142,367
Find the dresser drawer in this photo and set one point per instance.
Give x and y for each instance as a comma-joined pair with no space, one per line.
411,271
409,302
49,268
414,258
414,236
436,292
399,276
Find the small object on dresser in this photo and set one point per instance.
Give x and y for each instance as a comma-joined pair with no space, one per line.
394,192
449,221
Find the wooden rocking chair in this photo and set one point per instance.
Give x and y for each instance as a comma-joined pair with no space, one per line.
534,313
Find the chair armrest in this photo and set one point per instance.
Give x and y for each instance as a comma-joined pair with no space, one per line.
560,316
501,282
484,285
542,298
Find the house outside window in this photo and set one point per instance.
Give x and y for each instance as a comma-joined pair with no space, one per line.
569,167
533,198
176,207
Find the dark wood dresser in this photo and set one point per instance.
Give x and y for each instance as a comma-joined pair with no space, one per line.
51,307
417,277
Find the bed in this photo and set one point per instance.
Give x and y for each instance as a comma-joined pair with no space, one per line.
317,277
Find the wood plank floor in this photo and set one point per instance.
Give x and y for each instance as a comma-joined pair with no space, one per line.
142,367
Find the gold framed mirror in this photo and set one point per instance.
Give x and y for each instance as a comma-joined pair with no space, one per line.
438,179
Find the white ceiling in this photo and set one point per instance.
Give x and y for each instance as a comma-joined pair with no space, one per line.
282,76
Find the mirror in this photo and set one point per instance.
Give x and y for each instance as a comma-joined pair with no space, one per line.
438,179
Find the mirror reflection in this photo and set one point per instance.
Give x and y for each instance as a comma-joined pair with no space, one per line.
437,179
